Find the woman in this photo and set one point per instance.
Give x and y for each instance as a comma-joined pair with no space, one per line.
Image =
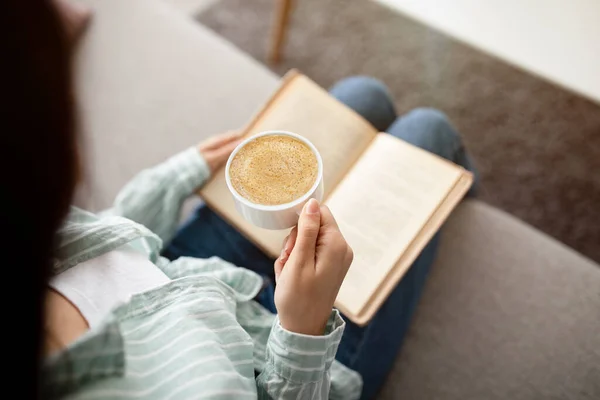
119,320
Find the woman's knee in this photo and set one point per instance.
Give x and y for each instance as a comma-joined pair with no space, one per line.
361,84
429,129
369,97
430,118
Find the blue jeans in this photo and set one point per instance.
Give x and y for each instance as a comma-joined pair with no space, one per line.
369,350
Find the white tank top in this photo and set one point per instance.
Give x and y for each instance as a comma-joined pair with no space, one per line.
98,285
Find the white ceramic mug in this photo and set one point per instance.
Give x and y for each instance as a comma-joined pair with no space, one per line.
280,216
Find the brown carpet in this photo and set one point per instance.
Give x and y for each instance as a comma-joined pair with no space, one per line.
537,146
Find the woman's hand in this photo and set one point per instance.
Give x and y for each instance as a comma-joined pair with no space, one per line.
217,149
313,263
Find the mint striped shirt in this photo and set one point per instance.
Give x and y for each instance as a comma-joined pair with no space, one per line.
199,336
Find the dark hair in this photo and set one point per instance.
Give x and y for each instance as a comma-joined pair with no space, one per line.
38,162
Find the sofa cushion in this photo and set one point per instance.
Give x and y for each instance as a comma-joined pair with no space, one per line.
507,313
150,82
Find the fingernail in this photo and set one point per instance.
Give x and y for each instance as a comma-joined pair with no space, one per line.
312,207
283,254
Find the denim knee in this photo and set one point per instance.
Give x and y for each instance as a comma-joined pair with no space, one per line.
369,97
430,130
432,118
367,85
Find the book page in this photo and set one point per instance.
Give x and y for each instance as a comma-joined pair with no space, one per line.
337,132
299,106
381,206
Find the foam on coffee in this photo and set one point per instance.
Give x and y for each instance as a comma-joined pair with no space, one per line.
273,169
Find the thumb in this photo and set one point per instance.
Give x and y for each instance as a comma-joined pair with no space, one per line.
309,224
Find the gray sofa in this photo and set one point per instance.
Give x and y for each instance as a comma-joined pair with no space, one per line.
507,313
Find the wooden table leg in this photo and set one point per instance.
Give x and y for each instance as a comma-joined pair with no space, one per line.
282,17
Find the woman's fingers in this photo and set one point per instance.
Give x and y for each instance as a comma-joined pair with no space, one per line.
278,266
217,141
289,244
286,248
327,219
223,152
217,157
310,280
309,225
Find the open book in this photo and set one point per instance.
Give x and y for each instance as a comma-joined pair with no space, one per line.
388,196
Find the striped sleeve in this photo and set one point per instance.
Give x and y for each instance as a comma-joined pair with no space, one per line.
154,197
298,366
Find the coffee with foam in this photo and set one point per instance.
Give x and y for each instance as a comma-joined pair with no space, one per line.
273,169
